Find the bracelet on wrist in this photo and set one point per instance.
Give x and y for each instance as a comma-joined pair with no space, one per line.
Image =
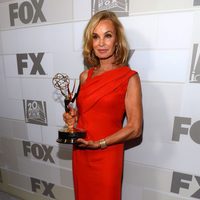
103,144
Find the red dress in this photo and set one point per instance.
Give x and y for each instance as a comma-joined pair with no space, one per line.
97,173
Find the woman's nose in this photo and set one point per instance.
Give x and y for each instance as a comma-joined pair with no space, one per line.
101,42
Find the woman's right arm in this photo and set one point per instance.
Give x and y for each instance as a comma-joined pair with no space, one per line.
70,117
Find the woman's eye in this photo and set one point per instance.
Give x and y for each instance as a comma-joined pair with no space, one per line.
108,35
94,36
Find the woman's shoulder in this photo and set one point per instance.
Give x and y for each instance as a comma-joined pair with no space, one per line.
127,69
83,76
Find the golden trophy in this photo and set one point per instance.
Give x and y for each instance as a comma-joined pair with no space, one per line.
67,135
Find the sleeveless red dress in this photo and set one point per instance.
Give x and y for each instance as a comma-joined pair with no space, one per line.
97,173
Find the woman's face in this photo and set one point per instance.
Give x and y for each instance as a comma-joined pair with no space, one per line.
104,40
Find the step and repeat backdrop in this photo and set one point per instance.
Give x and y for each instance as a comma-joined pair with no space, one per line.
39,38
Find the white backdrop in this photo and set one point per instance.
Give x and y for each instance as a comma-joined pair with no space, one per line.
39,38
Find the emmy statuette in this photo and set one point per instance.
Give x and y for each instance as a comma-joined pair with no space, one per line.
67,135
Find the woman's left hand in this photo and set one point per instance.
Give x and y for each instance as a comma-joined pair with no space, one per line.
88,144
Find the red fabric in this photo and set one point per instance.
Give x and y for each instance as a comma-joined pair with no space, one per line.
97,173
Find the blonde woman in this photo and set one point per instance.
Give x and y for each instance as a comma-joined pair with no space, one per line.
108,90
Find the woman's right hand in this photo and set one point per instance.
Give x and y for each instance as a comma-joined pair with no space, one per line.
70,117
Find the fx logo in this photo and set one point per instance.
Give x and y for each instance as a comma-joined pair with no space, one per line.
40,152
195,65
22,63
181,180
183,125
27,12
40,184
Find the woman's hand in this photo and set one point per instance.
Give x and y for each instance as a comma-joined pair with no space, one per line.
88,144
70,117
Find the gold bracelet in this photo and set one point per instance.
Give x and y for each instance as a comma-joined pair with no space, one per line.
103,144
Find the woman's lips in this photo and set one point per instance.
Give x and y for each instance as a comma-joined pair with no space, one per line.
102,50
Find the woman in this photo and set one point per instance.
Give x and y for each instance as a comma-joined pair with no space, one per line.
107,91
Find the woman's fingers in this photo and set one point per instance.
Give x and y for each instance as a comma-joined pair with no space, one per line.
88,144
72,112
69,119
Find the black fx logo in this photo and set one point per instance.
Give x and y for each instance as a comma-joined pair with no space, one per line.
27,12
43,186
22,63
183,181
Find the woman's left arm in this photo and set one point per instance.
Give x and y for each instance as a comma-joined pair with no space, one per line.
134,113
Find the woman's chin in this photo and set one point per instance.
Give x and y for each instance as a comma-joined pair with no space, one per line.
104,57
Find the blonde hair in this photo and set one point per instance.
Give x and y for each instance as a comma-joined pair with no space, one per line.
122,49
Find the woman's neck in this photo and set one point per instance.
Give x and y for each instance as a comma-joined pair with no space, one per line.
106,65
